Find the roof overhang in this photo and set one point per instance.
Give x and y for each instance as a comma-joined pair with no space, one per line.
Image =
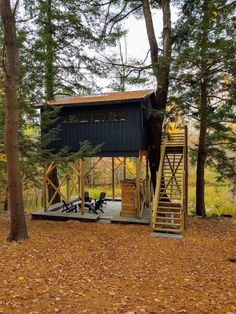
102,99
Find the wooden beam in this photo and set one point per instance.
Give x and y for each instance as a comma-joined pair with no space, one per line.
50,168
45,197
146,169
57,190
108,166
113,178
158,185
124,168
119,164
185,174
78,180
147,180
67,185
138,199
82,185
93,166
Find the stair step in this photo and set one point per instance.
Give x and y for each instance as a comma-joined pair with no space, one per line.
166,197
178,160
166,169
169,213
169,193
167,230
169,208
173,209
169,204
170,174
174,192
168,218
169,171
174,187
164,209
171,157
167,224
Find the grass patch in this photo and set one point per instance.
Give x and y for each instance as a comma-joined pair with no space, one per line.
216,194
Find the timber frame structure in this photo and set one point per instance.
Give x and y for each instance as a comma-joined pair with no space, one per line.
72,182
170,199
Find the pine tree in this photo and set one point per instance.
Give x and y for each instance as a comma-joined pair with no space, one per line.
10,65
205,49
59,42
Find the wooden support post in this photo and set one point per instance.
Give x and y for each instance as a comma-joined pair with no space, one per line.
138,200
45,197
124,168
113,178
78,180
155,199
67,185
147,169
158,185
147,188
82,185
92,173
185,174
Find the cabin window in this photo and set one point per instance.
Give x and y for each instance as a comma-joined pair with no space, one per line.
96,117
111,116
77,118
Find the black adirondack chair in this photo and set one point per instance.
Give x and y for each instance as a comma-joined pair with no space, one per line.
98,205
87,198
69,207
102,198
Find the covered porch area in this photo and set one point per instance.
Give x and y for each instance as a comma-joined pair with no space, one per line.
112,214
127,188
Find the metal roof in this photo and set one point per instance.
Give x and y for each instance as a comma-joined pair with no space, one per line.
115,97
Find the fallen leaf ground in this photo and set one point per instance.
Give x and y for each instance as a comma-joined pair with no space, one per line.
73,267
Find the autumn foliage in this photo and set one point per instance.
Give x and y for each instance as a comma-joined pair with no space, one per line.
73,267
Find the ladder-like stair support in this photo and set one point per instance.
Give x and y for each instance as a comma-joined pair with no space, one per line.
169,208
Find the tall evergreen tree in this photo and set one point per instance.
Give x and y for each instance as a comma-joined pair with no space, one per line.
10,64
59,42
205,51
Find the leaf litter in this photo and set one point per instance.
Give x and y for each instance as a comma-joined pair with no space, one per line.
74,267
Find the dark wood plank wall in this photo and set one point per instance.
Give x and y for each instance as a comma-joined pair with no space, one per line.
125,137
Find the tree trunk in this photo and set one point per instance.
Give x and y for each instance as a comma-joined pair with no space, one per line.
18,229
200,180
232,187
203,115
232,190
49,86
202,152
5,206
161,69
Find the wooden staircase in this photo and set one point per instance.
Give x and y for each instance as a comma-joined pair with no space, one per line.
169,208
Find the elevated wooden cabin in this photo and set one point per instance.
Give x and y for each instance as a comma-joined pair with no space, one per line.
116,120
119,121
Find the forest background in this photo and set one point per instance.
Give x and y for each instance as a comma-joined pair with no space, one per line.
78,48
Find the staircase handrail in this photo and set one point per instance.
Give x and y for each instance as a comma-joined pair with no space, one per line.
158,183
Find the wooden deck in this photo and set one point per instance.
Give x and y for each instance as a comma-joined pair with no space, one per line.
56,215
111,215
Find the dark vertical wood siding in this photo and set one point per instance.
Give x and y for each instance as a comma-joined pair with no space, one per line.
119,138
